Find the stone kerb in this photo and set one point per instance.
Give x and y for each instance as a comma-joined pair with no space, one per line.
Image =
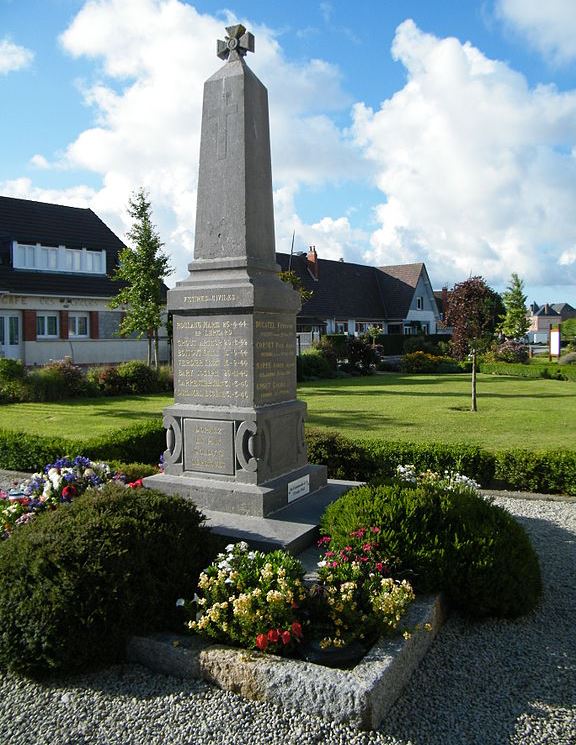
360,696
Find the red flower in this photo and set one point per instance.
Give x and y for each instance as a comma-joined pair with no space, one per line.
297,629
69,491
135,484
261,641
379,566
285,636
273,635
324,539
367,547
375,529
358,533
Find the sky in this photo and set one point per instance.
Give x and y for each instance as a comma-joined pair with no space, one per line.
402,131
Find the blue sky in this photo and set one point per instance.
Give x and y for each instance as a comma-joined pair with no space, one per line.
402,130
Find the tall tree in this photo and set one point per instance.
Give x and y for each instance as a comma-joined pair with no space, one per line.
143,266
473,311
514,324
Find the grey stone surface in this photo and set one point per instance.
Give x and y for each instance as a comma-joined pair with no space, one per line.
360,696
235,434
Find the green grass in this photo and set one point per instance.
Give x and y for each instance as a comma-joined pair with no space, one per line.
81,418
512,412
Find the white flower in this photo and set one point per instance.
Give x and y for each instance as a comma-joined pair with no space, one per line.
252,555
180,602
229,548
242,546
321,564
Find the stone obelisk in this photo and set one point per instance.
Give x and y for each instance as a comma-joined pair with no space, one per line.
235,433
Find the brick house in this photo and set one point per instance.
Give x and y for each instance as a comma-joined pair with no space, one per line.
55,285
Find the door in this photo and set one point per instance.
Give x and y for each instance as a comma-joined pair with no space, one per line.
10,335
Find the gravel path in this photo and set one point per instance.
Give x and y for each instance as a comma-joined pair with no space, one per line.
490,683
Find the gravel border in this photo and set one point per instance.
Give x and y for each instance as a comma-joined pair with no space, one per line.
488,683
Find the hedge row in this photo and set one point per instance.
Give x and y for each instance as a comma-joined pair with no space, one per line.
143,442
551,370
552,472
545,472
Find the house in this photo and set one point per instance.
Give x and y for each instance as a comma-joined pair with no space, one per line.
56,264
350,298
542,317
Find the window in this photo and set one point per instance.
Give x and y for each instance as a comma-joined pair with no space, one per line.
420,303
24,257
341,327
72,260
78,325
59,259
48,258
46,325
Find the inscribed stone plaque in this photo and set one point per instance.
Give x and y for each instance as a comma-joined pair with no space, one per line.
274,357
211,360
209,446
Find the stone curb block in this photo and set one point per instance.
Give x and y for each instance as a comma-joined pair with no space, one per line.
360,696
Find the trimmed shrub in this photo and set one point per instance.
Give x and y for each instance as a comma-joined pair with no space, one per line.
550,371
456,542
11,370
77,582
568,359
343,458
133,471
338,343
314,364
469,460
145,441
138,377
107,380
542,472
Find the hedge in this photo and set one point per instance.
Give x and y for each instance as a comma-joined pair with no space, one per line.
551,370
546,472
20,451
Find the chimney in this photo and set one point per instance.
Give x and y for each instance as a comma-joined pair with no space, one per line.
312,262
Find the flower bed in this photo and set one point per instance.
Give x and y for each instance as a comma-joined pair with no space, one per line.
58,483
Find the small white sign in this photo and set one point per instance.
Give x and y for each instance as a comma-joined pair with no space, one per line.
298,488
555,341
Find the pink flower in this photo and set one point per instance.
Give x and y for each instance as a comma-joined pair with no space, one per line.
261,641
375,529
358,533
367,547
324,539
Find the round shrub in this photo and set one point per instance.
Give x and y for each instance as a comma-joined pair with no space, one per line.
138,377
453,541
314,364
77,582
107,380
568,359
11,370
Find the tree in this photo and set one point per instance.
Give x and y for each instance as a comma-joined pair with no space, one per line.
514,324
143,268
291,278
473,311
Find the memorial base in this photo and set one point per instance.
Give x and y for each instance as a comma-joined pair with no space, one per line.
258,500
293,528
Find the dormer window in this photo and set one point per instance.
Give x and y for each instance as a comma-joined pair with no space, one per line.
58,259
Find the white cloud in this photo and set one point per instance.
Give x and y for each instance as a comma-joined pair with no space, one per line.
23,188
39,161
13,57
478,169
153,57
550,27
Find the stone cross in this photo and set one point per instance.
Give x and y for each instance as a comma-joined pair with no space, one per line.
238,42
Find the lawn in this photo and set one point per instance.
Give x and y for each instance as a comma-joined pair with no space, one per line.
82,418
528,413
512,412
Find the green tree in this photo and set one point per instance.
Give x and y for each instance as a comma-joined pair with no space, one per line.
473,311
142,268
291,278
514,324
